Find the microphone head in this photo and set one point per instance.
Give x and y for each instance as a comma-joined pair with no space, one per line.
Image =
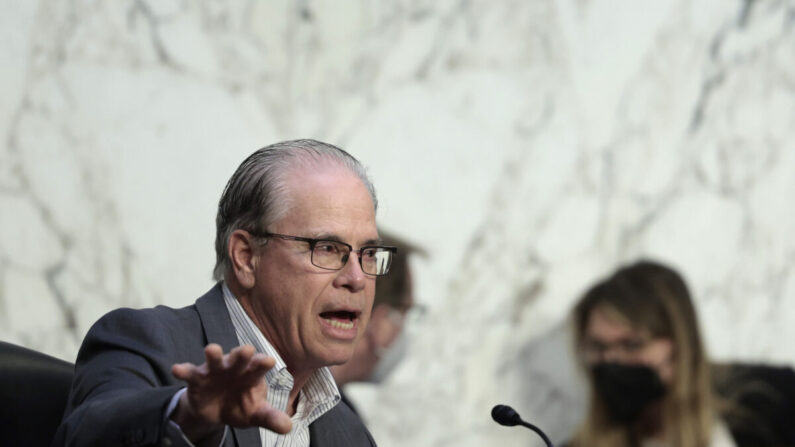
505,415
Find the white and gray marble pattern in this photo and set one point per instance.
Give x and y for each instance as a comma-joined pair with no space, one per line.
528,146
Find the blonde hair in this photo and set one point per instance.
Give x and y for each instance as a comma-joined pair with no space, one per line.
652,298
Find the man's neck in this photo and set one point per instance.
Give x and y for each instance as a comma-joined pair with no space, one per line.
300,378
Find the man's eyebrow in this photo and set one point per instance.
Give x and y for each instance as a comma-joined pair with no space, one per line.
335,238
328,237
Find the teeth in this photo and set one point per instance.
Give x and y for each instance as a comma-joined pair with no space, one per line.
340,324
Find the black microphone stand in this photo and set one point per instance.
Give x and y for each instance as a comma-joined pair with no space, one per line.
505,415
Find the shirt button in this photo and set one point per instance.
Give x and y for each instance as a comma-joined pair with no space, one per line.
282,382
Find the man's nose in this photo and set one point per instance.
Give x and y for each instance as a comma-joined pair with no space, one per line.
351,276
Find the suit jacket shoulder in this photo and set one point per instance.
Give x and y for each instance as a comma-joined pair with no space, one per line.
123,382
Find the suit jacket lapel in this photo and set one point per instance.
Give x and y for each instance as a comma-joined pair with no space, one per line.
330,430
244,437
218,328
215,319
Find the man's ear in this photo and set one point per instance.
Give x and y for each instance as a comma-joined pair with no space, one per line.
243,257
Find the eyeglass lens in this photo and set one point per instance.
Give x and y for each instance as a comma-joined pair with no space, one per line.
333,255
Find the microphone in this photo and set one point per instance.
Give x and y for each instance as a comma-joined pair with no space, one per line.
507,416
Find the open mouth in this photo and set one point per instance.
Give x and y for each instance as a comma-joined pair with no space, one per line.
340,319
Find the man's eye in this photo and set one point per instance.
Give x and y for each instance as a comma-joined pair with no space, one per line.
369,253
326,248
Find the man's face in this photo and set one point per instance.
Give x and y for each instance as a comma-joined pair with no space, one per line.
313,317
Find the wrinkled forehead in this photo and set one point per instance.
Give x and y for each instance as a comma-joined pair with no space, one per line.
319,175
329,201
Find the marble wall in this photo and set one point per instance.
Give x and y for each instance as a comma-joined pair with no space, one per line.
529,146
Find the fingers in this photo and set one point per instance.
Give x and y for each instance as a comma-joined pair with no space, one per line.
262,362
242,363
257,367
214,356
238,358
184,371
267,362
273,420
231,389
247,366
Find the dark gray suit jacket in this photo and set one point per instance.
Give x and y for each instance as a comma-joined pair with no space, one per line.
123,380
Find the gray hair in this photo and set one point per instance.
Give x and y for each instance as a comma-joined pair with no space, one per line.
256,194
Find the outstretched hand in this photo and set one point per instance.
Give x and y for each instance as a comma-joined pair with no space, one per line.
226,390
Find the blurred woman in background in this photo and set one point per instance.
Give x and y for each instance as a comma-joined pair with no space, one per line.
638,340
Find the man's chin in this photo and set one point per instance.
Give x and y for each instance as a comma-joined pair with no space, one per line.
337,355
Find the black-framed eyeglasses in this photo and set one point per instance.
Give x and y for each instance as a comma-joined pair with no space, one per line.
375,260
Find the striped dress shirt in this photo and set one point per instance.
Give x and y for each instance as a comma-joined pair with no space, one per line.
318,395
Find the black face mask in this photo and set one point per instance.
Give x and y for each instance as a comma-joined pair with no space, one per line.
626,389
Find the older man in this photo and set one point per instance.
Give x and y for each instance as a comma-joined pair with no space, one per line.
297,255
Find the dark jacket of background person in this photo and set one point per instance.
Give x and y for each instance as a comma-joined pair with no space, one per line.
760,403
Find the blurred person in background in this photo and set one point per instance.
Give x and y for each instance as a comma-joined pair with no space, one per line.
384,342
651,383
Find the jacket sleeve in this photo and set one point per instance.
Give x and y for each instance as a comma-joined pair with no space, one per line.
123,383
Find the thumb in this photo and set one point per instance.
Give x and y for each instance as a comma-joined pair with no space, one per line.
273,420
